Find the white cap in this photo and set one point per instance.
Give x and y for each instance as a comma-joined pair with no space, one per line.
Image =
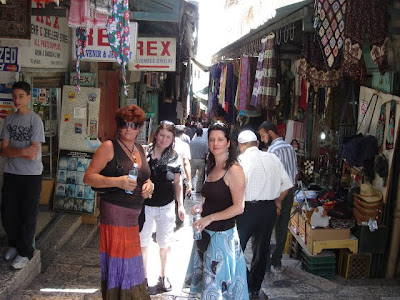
247,136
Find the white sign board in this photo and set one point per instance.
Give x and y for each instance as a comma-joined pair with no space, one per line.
98,48
154,54
49,44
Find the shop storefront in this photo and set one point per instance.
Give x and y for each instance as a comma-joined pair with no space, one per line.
311,70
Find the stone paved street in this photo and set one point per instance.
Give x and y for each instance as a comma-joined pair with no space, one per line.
70,270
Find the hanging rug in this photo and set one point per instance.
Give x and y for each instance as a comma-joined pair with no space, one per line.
329,24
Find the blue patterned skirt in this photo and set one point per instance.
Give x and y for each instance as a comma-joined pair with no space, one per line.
222,274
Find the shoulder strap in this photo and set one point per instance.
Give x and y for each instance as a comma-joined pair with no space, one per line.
116,156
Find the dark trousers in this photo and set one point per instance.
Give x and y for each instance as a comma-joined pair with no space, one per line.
19,209
257,222
281,228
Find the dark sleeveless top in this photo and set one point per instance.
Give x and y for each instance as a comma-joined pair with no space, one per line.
118,166
217,198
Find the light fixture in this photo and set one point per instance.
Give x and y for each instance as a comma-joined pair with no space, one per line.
323,135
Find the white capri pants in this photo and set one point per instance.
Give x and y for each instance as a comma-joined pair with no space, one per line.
164,217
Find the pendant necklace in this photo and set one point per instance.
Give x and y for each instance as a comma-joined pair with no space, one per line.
130,151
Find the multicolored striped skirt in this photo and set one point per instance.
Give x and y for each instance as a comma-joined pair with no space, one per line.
122,272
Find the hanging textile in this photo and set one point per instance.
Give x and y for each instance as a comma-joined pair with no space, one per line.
244,68
80,46
48,1
221,98
82,14
83,17
361,17
102,6
312,66
119,35
392,123
380,128
264,91
329,24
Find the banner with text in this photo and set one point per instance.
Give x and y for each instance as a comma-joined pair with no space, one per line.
49,44
98,48
9,59
154,54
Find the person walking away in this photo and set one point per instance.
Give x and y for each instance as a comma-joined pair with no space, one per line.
122,273
181,133
183,149
217,268
267,183
165,165
22,136
287,155
198,151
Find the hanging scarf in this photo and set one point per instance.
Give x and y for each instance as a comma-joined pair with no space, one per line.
82,14
168,156
80,46
118,35
264,90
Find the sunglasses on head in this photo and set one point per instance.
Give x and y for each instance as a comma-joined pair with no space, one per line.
134,126
166,122
219,124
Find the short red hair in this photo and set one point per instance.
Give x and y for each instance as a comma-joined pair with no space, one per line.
130,113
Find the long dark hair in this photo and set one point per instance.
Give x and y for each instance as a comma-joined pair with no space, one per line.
169,127
232,157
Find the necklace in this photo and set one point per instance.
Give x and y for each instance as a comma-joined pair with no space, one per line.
130,151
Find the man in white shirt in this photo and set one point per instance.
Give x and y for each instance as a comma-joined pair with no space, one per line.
183,149
267,184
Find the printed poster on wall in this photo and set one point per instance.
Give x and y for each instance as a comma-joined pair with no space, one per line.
49,44
71,194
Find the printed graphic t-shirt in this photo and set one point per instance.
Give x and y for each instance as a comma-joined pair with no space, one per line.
21,131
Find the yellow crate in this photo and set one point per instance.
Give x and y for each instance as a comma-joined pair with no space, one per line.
354,265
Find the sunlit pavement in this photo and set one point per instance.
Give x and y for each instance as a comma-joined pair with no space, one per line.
178,259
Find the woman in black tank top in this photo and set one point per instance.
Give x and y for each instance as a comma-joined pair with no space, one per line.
223,270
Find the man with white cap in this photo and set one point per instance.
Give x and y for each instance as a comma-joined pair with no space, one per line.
267,184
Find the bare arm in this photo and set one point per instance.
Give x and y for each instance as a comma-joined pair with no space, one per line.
235,180
100,159
278,201
29,152
179,195
188,172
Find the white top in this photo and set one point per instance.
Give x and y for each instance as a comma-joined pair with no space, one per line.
266,177
183,151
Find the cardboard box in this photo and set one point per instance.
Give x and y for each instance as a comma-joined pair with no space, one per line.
326,234
47,191
302,228
294,220
316,247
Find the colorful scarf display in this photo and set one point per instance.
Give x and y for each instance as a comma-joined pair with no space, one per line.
119,35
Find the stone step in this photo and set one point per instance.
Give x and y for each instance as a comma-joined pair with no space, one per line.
11,280
60,232
81,237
